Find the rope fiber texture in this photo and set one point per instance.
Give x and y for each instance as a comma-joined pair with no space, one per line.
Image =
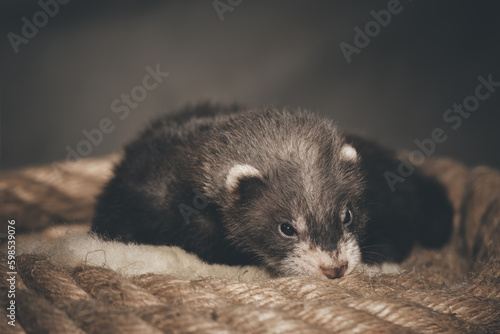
455,289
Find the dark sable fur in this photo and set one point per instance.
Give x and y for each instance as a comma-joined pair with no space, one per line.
191,152
418,209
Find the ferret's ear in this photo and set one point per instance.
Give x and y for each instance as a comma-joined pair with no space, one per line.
348,153
244,182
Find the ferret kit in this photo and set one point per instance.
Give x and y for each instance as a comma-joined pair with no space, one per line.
286,190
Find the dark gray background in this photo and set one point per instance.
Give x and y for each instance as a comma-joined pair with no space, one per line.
284,53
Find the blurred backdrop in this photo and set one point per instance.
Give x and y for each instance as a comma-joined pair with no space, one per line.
387,69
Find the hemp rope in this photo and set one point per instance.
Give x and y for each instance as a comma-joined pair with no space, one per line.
452,290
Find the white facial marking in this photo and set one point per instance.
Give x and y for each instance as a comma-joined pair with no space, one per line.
348,153
237,172
307,260
300,225
307,153
349,250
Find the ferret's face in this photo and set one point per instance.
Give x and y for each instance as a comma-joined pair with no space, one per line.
300,222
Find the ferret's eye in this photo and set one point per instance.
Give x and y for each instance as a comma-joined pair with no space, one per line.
347,217
287,230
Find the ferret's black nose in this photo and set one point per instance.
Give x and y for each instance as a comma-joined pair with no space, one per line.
334,272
